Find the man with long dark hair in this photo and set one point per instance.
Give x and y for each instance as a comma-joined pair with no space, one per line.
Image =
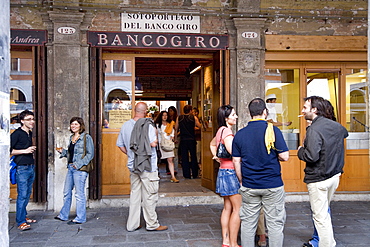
323,152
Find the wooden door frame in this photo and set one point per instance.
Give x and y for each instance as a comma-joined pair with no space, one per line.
39,100
40,108
95,122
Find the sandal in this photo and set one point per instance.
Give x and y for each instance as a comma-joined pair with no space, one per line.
28,220
262,243
24,226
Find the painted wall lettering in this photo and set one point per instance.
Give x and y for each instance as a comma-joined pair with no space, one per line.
157,40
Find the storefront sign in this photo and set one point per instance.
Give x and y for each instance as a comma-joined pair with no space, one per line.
29,37
162,23
156,40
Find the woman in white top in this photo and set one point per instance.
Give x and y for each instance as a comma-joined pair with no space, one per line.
166,130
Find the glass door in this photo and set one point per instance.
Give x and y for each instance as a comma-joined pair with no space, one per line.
325,84
119,91
356,169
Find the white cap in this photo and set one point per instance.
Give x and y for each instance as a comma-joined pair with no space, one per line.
271,96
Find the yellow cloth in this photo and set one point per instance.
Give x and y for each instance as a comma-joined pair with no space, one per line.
169,128
269,135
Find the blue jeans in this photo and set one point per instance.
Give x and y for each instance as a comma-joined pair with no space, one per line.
25,178
315,236
77,179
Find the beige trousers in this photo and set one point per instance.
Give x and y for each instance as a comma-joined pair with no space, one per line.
320,194
144,194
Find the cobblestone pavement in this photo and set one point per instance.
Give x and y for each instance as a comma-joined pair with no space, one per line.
189,226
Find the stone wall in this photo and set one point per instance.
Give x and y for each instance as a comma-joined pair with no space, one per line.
316,17
4,147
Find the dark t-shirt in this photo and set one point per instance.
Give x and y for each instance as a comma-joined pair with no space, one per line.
259,169
71,151
187,127
19,140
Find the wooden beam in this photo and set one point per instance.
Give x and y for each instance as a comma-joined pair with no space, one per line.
354,56
315,43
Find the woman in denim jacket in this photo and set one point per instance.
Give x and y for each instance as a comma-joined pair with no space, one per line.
75,178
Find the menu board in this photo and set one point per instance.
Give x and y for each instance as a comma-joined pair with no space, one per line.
118,117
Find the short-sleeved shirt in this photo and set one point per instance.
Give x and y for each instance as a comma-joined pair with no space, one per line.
19,140
123,140
272,112
259,169
224,163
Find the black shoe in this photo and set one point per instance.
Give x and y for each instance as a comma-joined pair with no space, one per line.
307,244
73,222
57,218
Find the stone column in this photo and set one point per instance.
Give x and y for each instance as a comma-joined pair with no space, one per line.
5,120
250,64
233,62
68,89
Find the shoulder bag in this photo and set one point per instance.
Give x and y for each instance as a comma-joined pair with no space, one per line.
89,167
221,149
166,144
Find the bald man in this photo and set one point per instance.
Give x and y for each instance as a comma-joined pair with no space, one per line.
144,183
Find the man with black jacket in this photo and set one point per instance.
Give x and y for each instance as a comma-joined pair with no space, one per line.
323,152
21,146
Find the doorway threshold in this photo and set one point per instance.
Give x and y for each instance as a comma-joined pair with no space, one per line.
185,193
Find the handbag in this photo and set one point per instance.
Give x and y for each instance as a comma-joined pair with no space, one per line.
12,170
166,144
221,149
89,167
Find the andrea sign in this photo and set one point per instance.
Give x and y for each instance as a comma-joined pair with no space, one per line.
28,37
156,40
162,23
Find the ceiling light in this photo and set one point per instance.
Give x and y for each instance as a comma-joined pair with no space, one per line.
194,67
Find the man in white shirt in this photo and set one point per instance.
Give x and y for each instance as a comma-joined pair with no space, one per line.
272,116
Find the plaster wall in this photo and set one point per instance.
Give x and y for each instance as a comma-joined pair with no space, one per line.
4,147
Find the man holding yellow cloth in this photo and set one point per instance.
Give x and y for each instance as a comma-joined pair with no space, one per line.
257,150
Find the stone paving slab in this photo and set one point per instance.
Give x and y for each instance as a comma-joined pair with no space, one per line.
189,226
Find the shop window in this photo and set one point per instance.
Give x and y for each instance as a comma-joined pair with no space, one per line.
14,65
283,102
20,85
117,94
356,116
326,85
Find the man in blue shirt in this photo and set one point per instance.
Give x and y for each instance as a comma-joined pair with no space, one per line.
257,150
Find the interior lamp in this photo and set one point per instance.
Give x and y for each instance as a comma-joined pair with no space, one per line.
194,67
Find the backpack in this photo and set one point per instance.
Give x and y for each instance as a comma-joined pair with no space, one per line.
12,170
